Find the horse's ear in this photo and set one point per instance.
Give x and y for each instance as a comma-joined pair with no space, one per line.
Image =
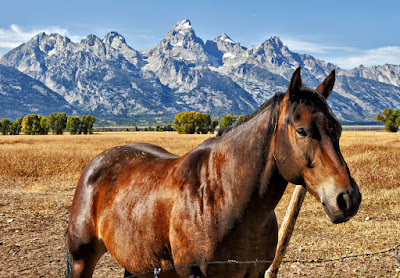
326,87
295,83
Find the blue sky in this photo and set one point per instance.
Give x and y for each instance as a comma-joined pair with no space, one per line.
347,33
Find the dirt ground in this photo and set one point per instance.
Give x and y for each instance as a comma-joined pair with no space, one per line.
32,245
33,222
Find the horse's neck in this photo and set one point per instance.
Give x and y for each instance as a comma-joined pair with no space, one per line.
249,173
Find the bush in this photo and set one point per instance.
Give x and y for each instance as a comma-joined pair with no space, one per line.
391,119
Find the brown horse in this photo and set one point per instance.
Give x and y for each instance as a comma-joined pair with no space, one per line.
150,208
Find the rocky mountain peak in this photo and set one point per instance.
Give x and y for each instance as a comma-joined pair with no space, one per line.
114,37
225,38
91,40
182,31
274,42
183,26
106,77
180,44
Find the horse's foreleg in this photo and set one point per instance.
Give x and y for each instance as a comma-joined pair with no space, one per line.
85,257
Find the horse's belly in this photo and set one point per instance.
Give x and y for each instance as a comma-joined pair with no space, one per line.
136,233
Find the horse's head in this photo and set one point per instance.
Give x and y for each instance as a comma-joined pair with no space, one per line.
306,148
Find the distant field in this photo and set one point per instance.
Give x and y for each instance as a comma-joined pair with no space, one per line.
38,175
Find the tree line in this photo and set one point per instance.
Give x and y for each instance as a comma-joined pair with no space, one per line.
188,122
33,124
191,122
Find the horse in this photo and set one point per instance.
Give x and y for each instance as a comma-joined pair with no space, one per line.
150,208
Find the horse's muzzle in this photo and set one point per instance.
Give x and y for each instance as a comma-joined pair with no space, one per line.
346,204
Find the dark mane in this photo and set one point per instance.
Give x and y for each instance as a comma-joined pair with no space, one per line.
276,99
306,95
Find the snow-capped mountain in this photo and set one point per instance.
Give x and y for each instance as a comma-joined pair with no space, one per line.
108,78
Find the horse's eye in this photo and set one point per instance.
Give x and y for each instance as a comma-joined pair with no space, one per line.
301,132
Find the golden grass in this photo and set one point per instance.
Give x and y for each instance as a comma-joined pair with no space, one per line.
41,172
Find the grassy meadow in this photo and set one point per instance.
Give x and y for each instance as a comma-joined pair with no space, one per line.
38,175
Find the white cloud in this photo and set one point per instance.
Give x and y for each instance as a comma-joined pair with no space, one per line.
344,56
311,47
370,57
15,35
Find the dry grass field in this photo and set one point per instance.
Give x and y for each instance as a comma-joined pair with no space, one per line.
38,175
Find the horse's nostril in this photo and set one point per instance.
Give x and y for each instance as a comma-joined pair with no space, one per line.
343,201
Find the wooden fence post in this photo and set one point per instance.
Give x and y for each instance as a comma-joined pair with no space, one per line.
286,229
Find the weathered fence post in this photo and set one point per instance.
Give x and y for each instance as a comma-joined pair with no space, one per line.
286,229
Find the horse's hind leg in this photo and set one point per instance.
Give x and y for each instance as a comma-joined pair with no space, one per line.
85,256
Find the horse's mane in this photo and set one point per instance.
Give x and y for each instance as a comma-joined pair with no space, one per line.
272,102
305,95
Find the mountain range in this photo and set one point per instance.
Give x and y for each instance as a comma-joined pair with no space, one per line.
111,80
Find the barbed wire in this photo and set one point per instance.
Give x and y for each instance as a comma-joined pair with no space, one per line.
158,270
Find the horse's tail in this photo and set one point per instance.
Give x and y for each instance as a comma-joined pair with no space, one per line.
67,258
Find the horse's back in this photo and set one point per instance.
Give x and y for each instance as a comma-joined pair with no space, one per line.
119,159
102,179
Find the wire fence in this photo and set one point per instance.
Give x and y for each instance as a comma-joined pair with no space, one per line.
158,270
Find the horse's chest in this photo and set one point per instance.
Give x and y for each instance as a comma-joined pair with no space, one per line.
250,238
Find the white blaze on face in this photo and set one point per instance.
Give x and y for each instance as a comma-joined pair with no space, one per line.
327,191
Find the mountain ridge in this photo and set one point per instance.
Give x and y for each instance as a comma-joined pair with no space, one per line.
108,78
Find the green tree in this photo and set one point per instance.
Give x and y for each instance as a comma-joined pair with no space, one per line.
87,122
391,119
240,117
73,124
44,124
148,128
191,122
57,122
227,120
15,127
4,125
184,122
202,122
214,124
31,124
168,128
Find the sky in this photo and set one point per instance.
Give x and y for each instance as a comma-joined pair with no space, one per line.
347,33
